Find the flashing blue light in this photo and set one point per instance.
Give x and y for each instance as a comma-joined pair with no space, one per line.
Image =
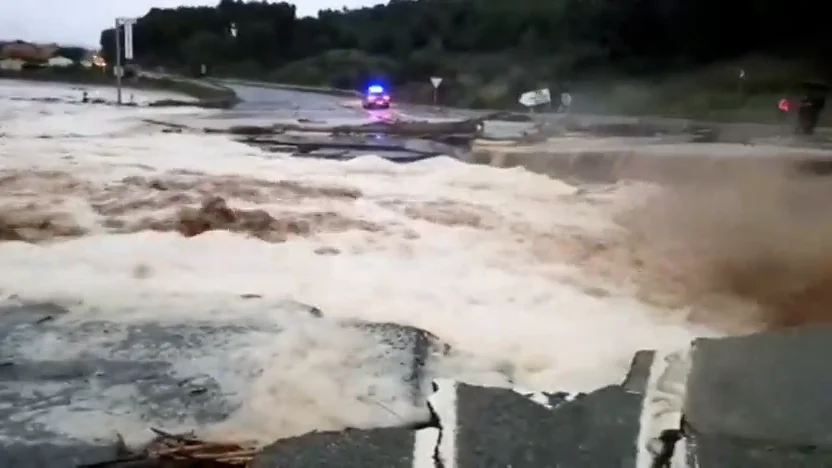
375,89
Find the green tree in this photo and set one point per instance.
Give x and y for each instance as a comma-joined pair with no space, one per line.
204,47
76,54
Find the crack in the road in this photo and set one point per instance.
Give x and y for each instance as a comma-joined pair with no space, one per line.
441,428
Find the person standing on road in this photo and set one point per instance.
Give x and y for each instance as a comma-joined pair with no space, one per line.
565,102
810,107
814,106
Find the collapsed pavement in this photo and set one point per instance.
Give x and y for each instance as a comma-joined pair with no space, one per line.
55,366
399,140
759,400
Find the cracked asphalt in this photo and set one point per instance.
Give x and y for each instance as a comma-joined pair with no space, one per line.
57,370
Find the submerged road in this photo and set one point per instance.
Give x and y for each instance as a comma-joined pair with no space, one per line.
266,104
276,102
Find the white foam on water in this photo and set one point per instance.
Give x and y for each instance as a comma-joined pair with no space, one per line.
467,252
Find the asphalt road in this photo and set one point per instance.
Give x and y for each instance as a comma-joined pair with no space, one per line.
282,103
261,105
257,99
66,383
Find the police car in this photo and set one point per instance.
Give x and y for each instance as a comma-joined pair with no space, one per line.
376,97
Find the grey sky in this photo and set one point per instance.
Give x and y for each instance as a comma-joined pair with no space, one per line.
79,22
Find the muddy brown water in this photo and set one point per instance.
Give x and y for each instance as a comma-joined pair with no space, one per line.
732,235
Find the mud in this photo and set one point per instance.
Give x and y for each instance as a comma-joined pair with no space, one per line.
46,207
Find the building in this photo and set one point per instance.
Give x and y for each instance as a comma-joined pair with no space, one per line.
11,64
60,62
28,51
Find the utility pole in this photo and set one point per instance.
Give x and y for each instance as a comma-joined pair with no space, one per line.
125,24
117,68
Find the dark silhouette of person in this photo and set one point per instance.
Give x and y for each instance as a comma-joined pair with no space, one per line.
811,106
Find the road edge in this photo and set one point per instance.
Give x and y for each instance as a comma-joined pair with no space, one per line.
208,95
287,87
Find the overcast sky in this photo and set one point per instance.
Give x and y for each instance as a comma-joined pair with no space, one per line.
79,22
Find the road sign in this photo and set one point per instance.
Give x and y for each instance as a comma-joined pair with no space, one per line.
118,70
436,81
127,25
742,74
535,98
565,99
128,41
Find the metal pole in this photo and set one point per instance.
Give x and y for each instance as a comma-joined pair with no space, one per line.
117,69
435,95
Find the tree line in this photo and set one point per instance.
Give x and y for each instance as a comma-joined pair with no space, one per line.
475,40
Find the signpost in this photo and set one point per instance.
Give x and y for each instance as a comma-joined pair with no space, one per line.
118,70
436,81
128,40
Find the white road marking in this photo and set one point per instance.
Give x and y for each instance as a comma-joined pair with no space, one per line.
426,440
662,408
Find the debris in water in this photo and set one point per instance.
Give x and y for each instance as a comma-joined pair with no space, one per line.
179,451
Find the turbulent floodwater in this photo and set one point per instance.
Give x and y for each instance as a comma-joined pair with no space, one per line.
561,284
